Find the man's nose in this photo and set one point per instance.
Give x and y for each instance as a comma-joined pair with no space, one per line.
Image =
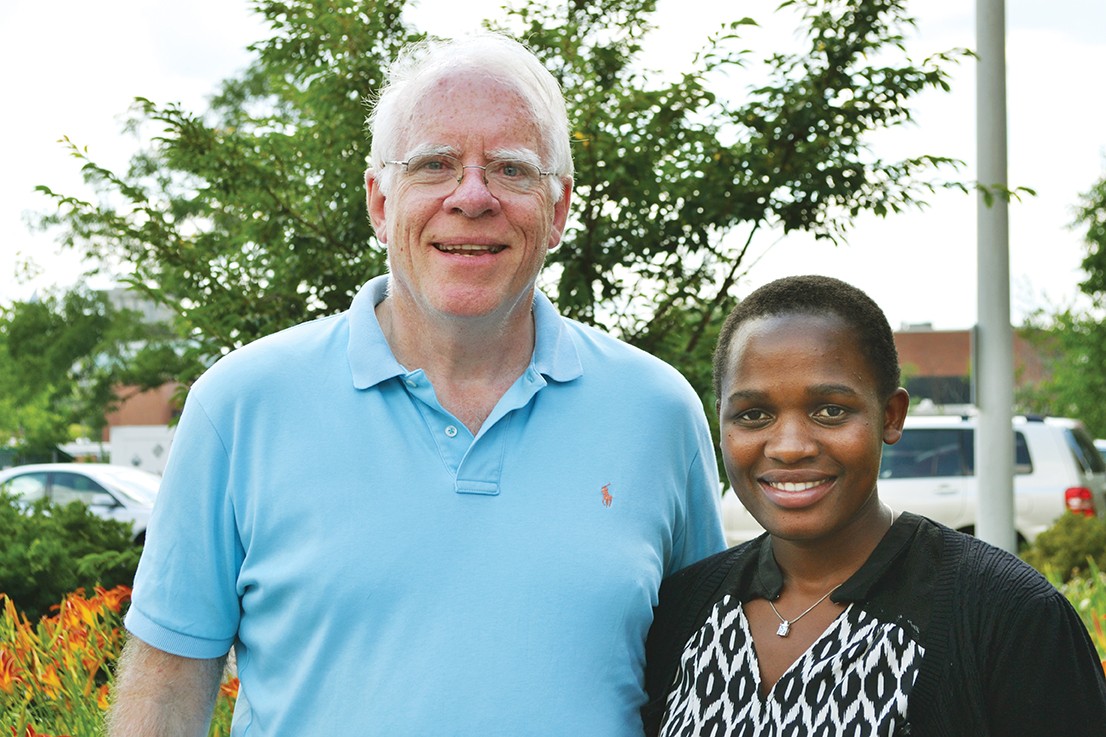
472,197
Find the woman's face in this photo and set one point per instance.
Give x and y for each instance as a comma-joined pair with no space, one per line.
803,424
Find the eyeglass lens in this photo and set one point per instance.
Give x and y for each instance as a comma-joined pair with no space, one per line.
442,174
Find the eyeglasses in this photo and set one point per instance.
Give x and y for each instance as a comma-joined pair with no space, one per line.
439,175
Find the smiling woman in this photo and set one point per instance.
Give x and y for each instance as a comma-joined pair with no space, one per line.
846,617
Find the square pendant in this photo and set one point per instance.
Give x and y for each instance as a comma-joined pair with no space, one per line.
783,629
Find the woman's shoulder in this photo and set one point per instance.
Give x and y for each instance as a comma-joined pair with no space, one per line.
714,567
995,578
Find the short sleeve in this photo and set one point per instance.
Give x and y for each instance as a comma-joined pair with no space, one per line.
700,533
185,598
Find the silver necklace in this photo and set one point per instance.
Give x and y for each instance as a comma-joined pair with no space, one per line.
785,624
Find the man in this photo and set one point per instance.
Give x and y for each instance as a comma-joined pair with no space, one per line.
446,511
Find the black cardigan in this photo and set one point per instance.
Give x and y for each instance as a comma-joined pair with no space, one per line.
1005,653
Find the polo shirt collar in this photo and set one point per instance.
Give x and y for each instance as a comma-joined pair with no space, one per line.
371,359
555,355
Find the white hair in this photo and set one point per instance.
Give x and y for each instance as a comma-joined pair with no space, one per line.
501,58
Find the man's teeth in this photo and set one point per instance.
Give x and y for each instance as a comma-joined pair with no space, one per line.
468,248
802,486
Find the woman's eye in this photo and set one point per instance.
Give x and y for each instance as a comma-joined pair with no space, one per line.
831,412
752,416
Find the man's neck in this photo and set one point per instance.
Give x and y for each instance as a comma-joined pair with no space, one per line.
471,362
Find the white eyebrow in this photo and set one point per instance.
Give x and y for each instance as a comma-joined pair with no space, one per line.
497,154
514,154
429,149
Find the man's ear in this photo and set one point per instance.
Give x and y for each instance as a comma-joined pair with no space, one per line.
374,200
560,215
894,415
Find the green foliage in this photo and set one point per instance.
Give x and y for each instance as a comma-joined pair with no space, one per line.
1092,215
675,179
50,551
1087,594
1073,346
250,217
62,358
1073,341
1063,549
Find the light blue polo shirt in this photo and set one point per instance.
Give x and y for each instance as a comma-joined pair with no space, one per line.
381,571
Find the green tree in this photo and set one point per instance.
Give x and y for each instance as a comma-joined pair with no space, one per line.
1073,339
674,180
250,217
62,360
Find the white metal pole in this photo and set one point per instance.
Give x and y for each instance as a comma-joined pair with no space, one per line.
994,447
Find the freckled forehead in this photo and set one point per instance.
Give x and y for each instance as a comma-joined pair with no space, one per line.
472,109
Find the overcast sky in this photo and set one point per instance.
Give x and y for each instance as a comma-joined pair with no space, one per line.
72,69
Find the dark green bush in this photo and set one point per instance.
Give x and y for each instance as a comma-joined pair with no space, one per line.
1065,546
50,551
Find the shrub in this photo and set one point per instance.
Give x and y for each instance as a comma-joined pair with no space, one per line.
50,551
56,676
1065,546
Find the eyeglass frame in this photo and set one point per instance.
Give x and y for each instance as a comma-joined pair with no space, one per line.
484,168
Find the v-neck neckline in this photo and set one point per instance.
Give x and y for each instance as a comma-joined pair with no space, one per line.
754,656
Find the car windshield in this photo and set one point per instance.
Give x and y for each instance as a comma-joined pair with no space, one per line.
139,485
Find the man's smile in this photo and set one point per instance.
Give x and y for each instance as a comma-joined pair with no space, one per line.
468,249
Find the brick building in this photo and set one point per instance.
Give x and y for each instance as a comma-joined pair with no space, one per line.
937,364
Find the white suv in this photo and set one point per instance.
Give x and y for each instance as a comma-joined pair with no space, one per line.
931,471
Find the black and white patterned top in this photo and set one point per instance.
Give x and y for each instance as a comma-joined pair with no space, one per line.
853,680
942,635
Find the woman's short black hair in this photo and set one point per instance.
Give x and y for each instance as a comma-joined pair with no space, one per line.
817,295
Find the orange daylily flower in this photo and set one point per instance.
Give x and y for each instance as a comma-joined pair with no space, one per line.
115,598
230,688
49,681
9,672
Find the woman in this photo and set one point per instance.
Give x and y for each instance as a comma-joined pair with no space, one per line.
847,618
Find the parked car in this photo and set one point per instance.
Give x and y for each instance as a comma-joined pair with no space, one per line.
931,471
1100,444
112,492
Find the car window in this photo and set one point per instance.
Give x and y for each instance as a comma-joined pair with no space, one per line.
1082,447
928,451
924,452
141,486
74,487
27,487
1023,461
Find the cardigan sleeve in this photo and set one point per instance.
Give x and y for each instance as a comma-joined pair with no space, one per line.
1039,674
1045,677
